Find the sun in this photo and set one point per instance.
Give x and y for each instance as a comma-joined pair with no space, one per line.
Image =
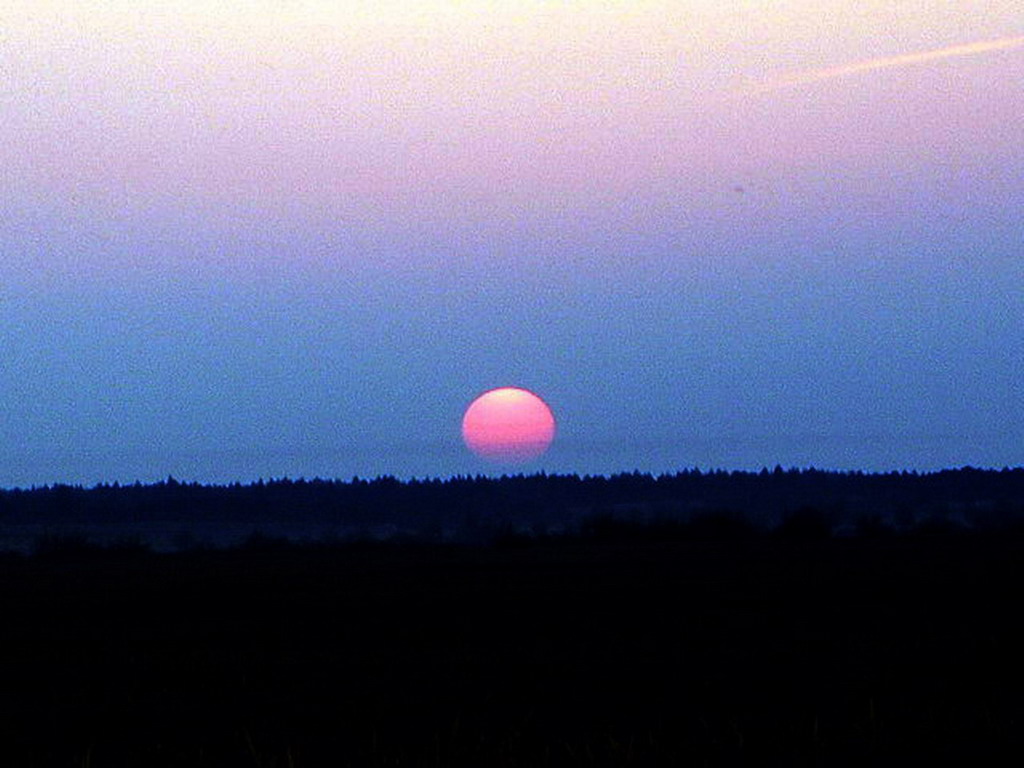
508,425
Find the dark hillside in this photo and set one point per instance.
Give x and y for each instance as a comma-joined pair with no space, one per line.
761,651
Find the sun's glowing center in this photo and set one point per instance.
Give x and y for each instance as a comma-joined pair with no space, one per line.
508,425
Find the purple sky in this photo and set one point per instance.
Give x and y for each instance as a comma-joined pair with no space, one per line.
270,239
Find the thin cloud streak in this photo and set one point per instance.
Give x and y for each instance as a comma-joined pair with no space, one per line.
889,62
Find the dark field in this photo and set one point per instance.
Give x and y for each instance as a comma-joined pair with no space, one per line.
896,651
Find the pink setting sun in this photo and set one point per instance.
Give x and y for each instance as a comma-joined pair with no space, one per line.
508,425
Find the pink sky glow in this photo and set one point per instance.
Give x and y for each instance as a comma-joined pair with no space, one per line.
378,113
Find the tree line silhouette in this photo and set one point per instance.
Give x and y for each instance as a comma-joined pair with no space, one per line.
700,618
798,503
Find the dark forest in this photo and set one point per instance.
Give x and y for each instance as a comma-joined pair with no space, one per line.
718,619
477,510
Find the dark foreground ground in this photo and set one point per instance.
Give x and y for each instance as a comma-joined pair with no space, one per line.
856,652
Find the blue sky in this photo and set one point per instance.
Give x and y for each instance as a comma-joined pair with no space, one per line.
300,242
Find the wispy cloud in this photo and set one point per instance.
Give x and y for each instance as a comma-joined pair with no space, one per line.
886,62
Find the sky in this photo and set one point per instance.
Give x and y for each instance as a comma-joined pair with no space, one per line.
286,238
